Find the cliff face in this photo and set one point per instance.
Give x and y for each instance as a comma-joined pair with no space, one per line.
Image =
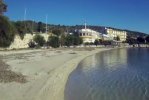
20,44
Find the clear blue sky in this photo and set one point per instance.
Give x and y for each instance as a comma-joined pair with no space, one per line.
125,14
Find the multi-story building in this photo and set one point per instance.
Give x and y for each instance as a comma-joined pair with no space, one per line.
88,35
114,34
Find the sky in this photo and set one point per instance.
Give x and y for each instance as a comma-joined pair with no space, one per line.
123,14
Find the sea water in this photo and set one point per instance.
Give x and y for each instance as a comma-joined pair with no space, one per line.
121,74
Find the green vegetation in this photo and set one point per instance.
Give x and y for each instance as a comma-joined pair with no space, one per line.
32,26
31,44
57,32
117,38
73,40
147,39
7,32
131,40
96,42
21,29
3,7
39,40
140,40
53,41
62,39
41,27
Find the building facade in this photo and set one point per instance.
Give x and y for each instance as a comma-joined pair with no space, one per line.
114,34
89,36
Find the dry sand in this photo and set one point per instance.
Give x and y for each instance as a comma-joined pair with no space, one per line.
45,72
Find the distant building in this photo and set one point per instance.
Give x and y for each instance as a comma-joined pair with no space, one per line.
88,35
113,33
3,7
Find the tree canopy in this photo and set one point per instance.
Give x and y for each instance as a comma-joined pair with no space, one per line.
39,40
141,40
53,41
57,32
73,40
147,39
7,32
3,7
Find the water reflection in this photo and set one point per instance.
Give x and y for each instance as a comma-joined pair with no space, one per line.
111,75
110,60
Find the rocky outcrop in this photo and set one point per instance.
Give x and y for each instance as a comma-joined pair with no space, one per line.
20,44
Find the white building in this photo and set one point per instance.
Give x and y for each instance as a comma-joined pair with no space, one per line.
116,33
88,35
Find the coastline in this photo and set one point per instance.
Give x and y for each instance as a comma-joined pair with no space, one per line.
44,83
67,68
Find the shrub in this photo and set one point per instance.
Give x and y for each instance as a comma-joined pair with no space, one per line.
31,44
39,40
53,41
73,40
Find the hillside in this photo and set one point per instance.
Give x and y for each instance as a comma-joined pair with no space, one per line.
32,26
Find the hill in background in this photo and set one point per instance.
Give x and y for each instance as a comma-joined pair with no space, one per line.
32,26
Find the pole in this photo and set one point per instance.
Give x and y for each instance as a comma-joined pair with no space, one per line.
25,14
25,19
85,25
46,24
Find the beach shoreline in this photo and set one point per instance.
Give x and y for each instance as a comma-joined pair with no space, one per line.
46,82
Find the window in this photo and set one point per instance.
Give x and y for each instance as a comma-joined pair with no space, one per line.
80,34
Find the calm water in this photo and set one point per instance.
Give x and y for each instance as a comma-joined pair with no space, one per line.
111,75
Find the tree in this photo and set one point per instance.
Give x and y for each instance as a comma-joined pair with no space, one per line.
131,40
3,7
20,27
57,32
39,40
77,40
53,41
7,32
117,38
96,42
140,40
147,39
40,27
73,40
62,40
69,40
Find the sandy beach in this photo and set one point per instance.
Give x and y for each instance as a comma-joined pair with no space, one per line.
39,74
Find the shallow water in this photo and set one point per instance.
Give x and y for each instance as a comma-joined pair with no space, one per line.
111,75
